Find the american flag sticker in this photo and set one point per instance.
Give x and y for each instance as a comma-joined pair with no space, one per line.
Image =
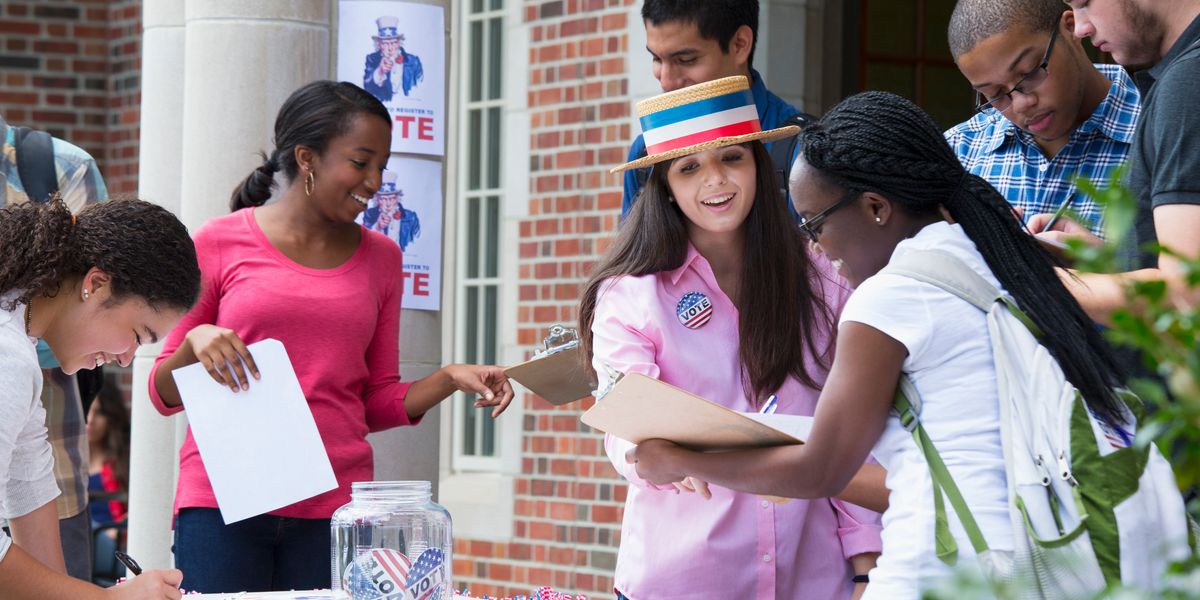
1110,437
378,574
694,310
427,578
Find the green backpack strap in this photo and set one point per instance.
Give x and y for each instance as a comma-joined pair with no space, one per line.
943,483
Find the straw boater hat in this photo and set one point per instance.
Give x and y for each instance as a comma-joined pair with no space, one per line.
700,117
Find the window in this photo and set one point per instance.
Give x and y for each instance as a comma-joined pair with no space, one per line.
903,49
480,195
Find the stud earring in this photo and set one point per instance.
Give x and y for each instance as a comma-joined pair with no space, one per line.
86,294
878,221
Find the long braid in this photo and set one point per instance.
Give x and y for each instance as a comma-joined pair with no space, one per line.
879,142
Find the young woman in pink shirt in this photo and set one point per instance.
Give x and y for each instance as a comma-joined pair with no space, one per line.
708,287
300,270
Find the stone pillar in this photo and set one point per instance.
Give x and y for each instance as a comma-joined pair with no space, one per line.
152,464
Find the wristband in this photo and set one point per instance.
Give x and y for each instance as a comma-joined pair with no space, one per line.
860,579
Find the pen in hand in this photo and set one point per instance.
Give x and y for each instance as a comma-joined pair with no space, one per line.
129,563
1058,214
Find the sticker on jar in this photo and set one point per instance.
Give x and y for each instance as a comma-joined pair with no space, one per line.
379,574
427,577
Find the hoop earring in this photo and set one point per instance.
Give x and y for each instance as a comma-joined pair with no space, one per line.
310,182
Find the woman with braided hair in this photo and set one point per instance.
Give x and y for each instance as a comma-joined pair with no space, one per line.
875,180
300,270
94,288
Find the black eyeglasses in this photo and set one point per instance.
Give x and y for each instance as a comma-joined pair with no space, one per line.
1028,83
812,227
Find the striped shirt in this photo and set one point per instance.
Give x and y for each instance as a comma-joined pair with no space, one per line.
1009,158
79,184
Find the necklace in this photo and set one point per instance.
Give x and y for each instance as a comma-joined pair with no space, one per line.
29,318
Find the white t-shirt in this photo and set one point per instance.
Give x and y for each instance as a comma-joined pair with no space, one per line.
950,363
26,463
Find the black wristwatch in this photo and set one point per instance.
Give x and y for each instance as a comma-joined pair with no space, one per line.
861,579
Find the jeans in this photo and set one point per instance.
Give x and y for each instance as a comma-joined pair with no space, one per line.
259,554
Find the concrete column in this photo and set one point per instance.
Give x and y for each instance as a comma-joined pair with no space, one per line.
153,462
243,60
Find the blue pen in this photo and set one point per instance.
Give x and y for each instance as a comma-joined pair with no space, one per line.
768,407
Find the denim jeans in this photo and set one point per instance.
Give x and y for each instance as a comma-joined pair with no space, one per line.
259,554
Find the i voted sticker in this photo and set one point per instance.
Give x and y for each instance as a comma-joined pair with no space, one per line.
378,574
694,310
427,578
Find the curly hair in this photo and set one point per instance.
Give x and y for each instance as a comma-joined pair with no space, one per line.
880,142
310,117
142,246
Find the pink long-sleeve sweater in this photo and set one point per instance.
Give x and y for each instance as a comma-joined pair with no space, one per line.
340,327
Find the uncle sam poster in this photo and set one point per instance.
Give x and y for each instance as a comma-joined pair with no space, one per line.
396,51
408,210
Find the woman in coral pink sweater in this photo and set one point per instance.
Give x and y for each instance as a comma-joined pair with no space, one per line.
300,270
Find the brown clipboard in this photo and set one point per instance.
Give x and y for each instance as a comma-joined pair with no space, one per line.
556,372
639,408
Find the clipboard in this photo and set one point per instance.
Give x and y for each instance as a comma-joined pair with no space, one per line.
638,408
556,372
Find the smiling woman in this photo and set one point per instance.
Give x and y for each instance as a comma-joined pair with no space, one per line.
711,229
301,271
94,287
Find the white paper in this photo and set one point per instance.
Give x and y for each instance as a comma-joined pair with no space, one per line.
261,446
796,426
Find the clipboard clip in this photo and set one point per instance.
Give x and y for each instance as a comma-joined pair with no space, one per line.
612,376
561,338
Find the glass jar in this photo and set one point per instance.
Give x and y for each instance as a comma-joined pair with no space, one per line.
391,542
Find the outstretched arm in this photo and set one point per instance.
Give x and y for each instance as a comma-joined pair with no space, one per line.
850,417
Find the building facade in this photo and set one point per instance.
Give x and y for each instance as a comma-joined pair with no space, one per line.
540,94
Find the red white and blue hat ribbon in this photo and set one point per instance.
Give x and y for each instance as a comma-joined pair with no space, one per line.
704,120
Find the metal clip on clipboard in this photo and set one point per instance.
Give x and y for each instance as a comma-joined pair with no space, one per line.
555,371
561,338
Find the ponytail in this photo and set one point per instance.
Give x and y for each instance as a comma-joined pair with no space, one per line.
255,190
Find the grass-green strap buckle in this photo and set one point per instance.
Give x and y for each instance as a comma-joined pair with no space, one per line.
943,484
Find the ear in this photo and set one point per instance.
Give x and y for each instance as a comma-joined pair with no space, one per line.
878,208
740,45
306,159
1066,24
96,281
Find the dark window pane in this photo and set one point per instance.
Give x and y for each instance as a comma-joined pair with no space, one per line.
476,6
892,27
490,325
497,4
493,144
473,238
475,150
495,54
493,237
900,79
937,22
475,67
469,419
947,96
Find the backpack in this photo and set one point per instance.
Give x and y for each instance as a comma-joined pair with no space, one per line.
781,152
1088,507
35,163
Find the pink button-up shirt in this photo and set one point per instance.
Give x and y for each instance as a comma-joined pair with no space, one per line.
736,545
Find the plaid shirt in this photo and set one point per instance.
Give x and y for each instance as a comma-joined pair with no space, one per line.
995,149
80,184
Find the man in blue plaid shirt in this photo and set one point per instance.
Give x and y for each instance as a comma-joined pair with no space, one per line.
1046,113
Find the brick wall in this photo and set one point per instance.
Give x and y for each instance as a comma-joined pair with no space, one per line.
72,68
568,498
